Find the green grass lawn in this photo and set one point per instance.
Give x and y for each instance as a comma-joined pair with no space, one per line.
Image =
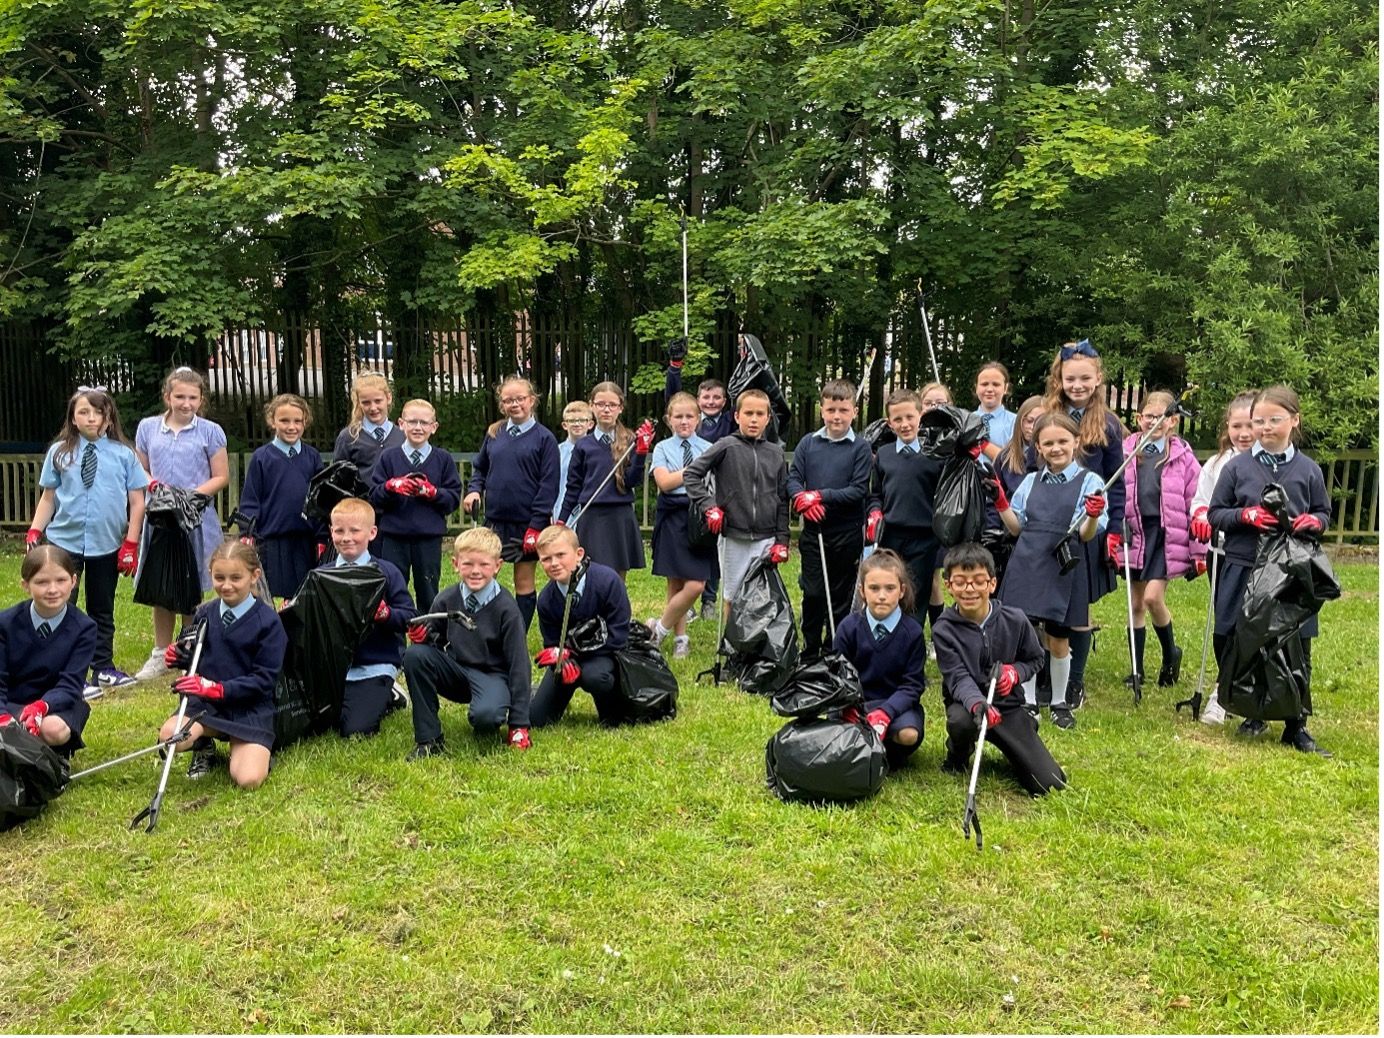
644,880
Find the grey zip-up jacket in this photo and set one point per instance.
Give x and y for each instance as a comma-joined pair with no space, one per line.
750,485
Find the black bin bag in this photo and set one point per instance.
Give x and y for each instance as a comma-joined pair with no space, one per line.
878,434
761,633
325,625
31,774
331,485
755,372
829,682
648,690
169,576
1265,673
948,434
824,760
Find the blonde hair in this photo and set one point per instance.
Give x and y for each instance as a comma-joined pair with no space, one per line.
287,400
494,428
579,409
1012,457
362,382
622,437
1241,401
555,533
419,402
680,398
232,549
751,394
477,538
1158,398
354,506
922,393
1092,432
1285,397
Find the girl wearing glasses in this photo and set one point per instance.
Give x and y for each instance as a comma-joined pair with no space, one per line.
1236,508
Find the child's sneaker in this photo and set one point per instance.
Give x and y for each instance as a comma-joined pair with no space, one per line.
1213,712
154,667
519,739
1252,727
709,611
1062,717
692,616
423,750
682,647
398,699
93,692
204,758
111,677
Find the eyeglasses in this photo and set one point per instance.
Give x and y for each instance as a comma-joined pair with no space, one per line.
416,421
1157,416
576,421
1275,421
513,401
968,583
606,407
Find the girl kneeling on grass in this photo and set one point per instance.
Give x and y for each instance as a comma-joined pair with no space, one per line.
233,688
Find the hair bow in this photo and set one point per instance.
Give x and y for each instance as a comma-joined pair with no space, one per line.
91,389
1081,349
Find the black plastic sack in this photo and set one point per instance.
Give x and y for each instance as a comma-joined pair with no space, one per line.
816,760
648,690
591,634
958,507
325,625
755,372
879,434
169,576
761,633
333,484
1265,673
946,432
828,682
31,774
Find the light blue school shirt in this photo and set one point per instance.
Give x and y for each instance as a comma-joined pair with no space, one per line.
1000,427
91,522
668,454
1091,484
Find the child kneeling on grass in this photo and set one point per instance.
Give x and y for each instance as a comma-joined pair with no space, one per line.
598,593
233,689
971,637
486,666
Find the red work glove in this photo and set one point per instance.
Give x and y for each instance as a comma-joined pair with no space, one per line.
7,719
1259,518
1201,567
519,739
1201,526
382,612
31,717
422,486
321,550
570,672
1306,526
127,560
644,437
173,657
531,540
1094,504
1113,543
808,504
401,485
550,656
1009,677
192,685
154,484
994,490
976,451
32,538
778,554
715,519
991,714
247,540
879,721
872,524
418,634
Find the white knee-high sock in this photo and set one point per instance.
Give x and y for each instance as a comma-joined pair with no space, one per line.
1060,669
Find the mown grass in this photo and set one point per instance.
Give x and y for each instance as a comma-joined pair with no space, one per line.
644,880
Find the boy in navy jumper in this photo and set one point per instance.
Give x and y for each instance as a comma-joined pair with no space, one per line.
828,483
598,593
971,637
370,690
487,666
414,488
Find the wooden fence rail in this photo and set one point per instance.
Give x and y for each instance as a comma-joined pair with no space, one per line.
1352,481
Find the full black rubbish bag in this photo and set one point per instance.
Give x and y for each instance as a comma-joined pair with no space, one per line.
761,633
169,575
325,625
878,434
31,774
648,689
958,512
333,484
755,372
1265,673
819,760
947,431
828,682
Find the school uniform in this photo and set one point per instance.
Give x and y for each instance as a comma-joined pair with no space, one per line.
840,471
673,554
1104,462
182,458
903,486
564,463
1046,504
272,500
90,521
600,592
1163,482
967,652
889,656
362,449
487,668
517,471
411,528
369,692
245,653
608,530
47,660
999,424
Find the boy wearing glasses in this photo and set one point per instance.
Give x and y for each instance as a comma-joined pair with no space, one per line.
414,487
971,636
577,420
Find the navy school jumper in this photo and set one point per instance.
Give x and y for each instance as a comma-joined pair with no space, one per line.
52,669
518,476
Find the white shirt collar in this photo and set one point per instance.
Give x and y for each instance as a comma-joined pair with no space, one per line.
1288,454
165,427
523,427
849,437
239,611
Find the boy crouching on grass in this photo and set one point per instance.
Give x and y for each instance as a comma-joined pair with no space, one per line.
487,666
971,637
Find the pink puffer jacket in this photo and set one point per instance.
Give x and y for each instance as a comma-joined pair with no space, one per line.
1179,481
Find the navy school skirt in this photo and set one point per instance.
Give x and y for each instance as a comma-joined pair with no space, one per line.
286,559
610,536
673,555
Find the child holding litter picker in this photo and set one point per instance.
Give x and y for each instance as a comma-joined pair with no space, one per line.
1159,486
885,645
828,483
974,634
1237,509
233,689
46,647
1046,504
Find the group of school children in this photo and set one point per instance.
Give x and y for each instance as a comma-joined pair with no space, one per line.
871,577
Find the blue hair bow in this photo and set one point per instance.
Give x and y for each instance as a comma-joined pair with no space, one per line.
1081,349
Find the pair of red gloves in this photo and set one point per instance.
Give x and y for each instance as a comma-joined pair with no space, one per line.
126,559
552,656
1259,517
716,520
411,486
31,717
1004,685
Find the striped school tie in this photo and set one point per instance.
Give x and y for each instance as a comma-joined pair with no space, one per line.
604,438
514,430
1151,449
1271,460
473,603
881,632
293,452
686,453
44,629
1075,415
227,619
417,458
1054,478
379,435
89,465
910,448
